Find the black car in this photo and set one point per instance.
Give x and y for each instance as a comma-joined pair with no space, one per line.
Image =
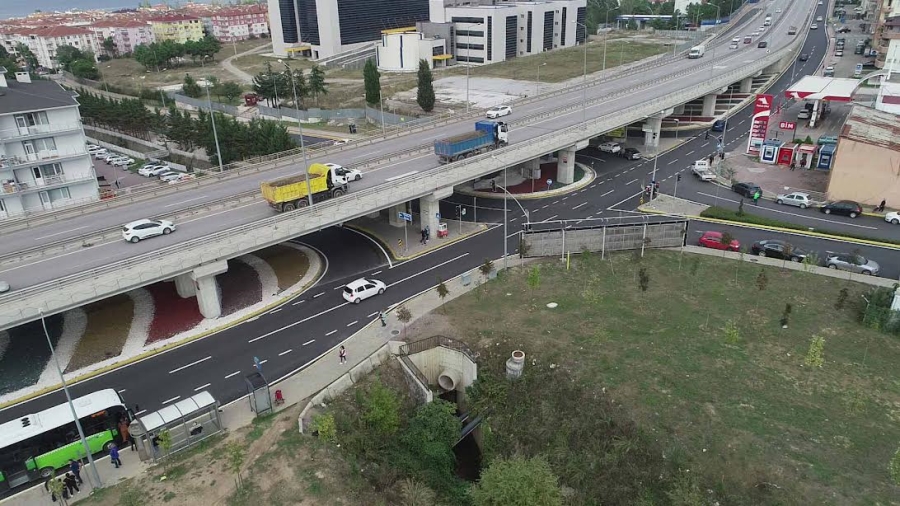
844,29
762,43
843,207
746,189
803,57
630,154
774,248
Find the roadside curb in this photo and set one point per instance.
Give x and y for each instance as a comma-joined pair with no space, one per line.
445,242
313,279
589,176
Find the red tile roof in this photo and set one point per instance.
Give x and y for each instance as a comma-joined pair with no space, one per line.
56,31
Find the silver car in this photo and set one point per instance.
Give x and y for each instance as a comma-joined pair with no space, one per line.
851,262
798,199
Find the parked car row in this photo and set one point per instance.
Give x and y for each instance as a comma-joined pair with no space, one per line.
617,149
110,157
783,250
803,200
164,173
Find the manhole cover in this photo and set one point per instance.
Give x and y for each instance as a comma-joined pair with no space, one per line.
395,332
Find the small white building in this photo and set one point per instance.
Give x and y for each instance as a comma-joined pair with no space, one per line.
43,161
401,51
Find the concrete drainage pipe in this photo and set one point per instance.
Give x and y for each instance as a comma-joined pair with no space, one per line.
448,379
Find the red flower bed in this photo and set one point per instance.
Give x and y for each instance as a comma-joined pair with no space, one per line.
548,171
240,287
171,313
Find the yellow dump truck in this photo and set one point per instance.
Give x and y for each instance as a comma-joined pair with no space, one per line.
289,193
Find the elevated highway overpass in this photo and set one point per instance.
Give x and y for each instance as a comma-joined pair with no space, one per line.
105,266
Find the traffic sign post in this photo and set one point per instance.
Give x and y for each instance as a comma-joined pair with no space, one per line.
257,364
407,218
549,184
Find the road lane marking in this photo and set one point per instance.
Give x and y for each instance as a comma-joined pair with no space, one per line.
318,294
173,371
121,391
626,199
171,400
59,233
429,269
235,373
332,332
691,152
704,144
607,193
410,173
296,323
632,181
550,218
673,161
554,202
513,219
793,214
299,302
354,322
308,342
261,362
285,352
188,200
376,273
275,311
579,205
373,314
201,387
141,412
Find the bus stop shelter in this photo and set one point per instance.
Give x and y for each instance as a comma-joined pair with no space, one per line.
188,422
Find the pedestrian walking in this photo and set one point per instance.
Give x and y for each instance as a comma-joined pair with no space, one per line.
793,165
493,186
342,354
756,197
711,158
707,136
123,432
71,484
114,455
881,206
75,469
383,318
131,437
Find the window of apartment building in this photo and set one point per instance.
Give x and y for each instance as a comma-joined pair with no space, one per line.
528,34
32,119
548,31
490,38
462,45
39,145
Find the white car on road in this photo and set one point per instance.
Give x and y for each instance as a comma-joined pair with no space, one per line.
798,199
4,286
348,174
892,217
610,147
171,176
500,110
361,289
142,229
152,169
180,178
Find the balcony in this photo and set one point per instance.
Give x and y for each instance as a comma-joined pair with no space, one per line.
53,155
45,183
22,133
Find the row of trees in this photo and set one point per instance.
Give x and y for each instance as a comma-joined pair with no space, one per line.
169,53
237,140
276,87
425,85
79,63
227,90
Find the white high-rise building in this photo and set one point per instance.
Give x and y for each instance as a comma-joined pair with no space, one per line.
43,161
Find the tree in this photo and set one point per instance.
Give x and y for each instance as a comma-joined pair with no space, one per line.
109,46
430,437
235,454
25,53
381,410
643,281
317,84
786,315
85,69
815,356
404,316
534,277
486,267
326,427
190,87
425,93
726,240
762,281
842,299
372,78
165,442
297,81
518,481
442,290
229,90
8,62
67,55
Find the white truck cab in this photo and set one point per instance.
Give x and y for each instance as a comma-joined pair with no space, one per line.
696,52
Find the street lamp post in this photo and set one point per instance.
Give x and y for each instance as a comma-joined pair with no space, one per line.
212,119
87,448
302,142
584,74
538,87
381,103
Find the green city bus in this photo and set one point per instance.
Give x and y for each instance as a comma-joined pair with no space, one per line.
35,446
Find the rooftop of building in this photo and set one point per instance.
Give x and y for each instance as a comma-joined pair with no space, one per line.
172,18
240,11
36,95
871,126
55,31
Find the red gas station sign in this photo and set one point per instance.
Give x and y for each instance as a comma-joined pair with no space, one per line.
787,125
759,124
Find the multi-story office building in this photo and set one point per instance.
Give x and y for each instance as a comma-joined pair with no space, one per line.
329,27
43,161
177,28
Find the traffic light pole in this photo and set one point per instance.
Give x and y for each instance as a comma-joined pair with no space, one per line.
677,179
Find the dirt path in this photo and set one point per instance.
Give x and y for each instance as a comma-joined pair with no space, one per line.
238,73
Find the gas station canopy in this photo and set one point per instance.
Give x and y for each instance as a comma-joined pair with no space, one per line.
823,88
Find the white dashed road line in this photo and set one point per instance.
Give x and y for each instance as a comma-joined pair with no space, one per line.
285,352
201,387
173,371
332,332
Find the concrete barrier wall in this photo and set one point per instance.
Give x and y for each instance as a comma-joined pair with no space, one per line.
603,239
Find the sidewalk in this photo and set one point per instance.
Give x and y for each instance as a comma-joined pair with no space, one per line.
403,243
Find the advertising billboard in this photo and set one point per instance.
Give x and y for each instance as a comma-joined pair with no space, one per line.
759,123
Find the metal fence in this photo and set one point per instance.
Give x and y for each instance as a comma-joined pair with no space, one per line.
203,104
434,342
602,235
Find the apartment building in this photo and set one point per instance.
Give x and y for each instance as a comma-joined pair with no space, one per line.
240,23
127,34
44,41
177,28
329,27
43,161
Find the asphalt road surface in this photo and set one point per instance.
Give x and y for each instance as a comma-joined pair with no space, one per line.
50,268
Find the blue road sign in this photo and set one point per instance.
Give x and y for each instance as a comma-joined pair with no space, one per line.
405,217
549,182
257,364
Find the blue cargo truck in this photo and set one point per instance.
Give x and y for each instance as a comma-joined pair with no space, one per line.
488,135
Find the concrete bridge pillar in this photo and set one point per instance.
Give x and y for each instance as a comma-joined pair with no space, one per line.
209,298
394,215
430,209
184,285
746,85
565,165
532,169
651,128
709,105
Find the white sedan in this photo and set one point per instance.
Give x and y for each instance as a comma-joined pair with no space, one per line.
500,110
892,217
123,162
610,147
182,178
361,289
152,169
171,176
141,229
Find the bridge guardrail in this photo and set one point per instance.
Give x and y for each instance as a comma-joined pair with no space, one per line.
72,291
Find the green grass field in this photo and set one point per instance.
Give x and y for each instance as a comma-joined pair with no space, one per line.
700,362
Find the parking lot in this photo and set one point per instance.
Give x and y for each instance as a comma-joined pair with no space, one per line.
114,178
